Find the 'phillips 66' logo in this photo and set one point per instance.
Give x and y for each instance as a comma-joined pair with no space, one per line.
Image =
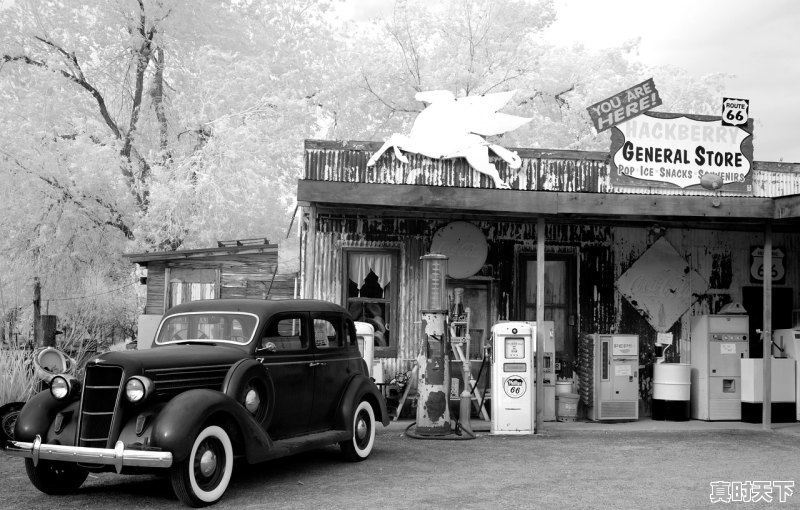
515,386
735,112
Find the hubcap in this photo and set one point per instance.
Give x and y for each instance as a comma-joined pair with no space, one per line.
252,401
361,429
208,463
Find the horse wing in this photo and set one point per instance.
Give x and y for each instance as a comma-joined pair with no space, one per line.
496,124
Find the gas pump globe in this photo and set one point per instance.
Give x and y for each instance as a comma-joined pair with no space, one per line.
433,412
434,274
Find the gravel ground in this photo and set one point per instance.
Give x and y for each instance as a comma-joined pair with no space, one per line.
561,469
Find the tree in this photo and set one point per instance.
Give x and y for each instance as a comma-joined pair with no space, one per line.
474,47
144,124
134,125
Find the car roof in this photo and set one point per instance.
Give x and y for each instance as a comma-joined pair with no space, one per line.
260,307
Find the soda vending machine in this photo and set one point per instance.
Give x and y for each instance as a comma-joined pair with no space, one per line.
513,378
719,343
615,394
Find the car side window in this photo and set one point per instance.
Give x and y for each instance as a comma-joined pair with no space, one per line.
328,332
284,334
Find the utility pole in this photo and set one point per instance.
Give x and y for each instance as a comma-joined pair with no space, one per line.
37,312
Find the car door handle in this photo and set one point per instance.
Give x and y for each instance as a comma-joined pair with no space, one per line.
316,364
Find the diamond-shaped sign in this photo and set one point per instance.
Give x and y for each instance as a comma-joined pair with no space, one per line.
661,285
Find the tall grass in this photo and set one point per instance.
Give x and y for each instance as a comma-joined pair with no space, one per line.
17,379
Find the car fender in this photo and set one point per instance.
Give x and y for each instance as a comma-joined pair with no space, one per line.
240,374
37,414
175,427
360,387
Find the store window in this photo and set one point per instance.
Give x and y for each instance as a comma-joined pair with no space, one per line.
371,293
187,285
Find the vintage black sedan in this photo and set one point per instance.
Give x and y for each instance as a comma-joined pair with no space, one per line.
225,379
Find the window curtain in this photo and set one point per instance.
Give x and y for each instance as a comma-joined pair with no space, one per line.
361,264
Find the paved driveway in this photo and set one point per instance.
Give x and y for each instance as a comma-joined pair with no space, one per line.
583,467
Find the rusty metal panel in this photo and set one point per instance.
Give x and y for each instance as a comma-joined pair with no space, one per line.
541,170
328,276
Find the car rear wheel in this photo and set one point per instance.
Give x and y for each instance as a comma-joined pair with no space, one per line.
202,478
360,444
52,477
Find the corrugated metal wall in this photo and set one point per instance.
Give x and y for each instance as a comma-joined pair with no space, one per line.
603,253
541,170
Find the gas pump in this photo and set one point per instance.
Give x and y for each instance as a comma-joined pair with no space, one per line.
513,378
433,407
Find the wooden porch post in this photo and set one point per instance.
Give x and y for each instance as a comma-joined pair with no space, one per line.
766,331
539,324
310,252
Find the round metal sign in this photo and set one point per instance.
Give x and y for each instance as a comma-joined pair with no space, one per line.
465,246
515,386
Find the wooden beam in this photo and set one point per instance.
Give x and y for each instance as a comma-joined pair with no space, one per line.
766,331
787,207
540,276
534,203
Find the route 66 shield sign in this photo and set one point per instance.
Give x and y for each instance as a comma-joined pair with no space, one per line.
757,270
735,112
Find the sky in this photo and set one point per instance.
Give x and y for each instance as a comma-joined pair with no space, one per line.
755,41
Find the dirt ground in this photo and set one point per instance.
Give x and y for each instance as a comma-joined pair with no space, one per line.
561,469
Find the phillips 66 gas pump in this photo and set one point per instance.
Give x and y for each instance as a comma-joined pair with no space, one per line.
433,412
513,392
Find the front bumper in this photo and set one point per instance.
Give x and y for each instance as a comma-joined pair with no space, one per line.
117,457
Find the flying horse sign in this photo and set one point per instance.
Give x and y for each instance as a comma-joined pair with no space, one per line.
451,127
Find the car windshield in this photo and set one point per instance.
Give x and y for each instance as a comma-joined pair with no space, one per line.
207,327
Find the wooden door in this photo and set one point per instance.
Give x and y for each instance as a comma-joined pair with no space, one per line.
559,299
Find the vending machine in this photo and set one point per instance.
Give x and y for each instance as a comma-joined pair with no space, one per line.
513,378
615,394
719,343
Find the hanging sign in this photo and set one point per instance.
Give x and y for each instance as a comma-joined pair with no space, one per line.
672,150
625,105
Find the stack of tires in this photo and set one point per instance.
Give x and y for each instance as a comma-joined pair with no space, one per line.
586,368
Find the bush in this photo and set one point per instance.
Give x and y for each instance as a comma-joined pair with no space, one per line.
16,375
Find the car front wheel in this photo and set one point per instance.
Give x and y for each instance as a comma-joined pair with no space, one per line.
202,478
360,444
52,477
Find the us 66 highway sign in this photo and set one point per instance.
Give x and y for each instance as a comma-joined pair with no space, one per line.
735,112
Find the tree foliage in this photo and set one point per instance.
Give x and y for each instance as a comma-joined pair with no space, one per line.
135,125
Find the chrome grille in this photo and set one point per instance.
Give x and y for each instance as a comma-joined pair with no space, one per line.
101,393
171,381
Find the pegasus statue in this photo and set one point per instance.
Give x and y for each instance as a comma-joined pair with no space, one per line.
451,127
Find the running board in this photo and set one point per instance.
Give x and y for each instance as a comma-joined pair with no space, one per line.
293,445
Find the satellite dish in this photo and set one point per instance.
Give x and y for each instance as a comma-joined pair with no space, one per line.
711,182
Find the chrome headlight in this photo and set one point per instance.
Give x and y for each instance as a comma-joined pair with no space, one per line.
138,388
63,386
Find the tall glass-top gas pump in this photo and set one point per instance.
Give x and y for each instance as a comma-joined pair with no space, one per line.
433,411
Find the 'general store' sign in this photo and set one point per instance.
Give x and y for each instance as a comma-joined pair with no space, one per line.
675,150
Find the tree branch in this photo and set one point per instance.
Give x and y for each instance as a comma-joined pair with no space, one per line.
116,221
